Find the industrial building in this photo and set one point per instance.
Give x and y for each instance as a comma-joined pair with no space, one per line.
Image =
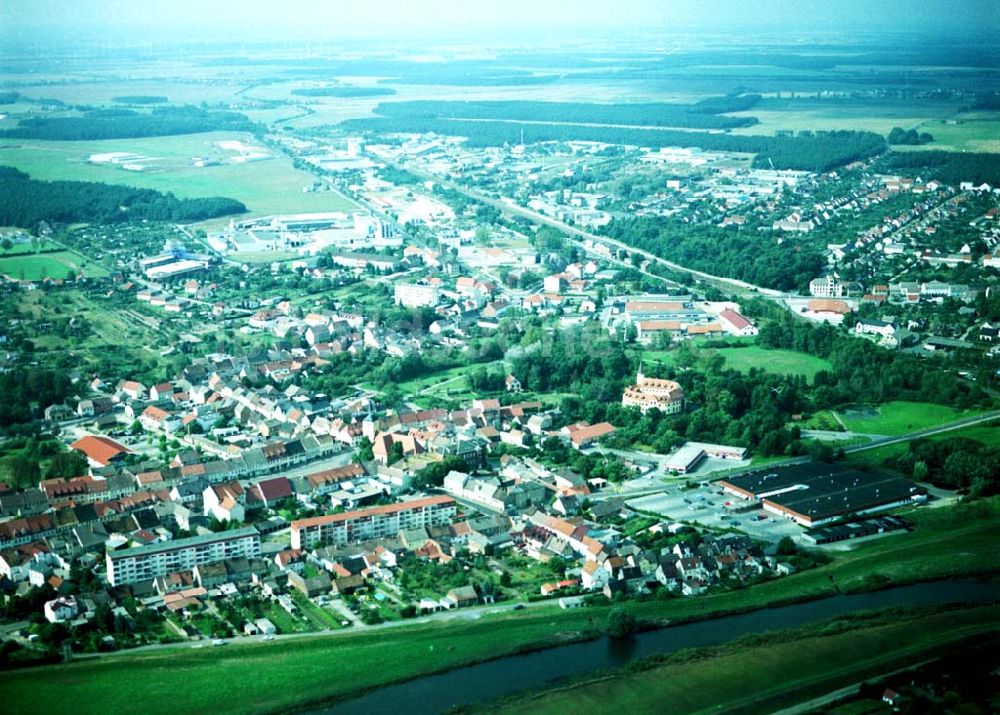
689,456
817,493
855,529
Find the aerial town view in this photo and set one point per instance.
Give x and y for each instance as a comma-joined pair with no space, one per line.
525,357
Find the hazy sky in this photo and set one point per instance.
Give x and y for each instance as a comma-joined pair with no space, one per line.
285,19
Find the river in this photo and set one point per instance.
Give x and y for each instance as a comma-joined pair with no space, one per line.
511,674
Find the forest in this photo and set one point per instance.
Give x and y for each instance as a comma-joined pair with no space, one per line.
129,124
27,201
698,116
746,255
808,151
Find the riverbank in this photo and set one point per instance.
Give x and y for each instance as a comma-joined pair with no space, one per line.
270,677
766,673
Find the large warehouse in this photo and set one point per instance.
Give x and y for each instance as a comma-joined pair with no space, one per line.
817,493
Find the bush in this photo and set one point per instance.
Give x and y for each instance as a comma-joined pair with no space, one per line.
621,623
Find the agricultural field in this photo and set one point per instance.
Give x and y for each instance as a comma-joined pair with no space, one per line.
196,88
266,186
894,418
832,114
56,264
968,131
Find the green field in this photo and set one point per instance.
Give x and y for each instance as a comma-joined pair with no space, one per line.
268,186
952,130
899,417
19,249
786,669
968,131
987,433
783,362
947,542
442,382
57,264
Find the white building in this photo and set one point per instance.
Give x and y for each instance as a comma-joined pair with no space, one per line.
415,295
376,522
61,609
145,563
826,287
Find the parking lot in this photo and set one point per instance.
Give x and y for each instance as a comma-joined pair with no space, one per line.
709,507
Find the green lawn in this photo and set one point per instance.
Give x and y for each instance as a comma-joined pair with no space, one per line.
947,542
21,248
899,417
987,433
57,264
269,186
783,362
781,671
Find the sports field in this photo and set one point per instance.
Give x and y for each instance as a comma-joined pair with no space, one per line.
266,186
58,264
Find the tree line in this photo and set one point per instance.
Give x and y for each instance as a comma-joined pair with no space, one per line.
130,124
28,201
947,166
898,135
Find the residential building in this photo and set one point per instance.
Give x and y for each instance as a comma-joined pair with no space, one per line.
373,523
145,563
